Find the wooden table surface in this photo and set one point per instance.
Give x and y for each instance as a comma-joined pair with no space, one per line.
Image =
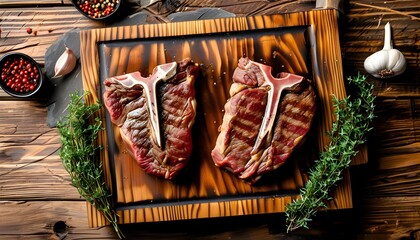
35,192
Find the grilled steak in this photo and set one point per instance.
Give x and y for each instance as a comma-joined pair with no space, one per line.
265,119
155,115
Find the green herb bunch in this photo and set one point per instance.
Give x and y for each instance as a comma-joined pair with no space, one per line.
78,154
353,117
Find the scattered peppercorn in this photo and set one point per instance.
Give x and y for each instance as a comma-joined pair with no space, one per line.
35,33
20,75
29,30
97,8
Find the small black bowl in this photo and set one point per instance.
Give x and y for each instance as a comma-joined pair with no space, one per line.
102,5
20,75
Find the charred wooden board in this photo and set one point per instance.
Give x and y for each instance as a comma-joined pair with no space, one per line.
302,43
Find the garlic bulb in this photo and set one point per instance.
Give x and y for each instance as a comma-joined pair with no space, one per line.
65,63
387,62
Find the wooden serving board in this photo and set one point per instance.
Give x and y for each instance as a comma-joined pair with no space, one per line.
304,43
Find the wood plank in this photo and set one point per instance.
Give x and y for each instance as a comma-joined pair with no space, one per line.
401,181
38,179
32,225
386,190
30,168
396,134
394,217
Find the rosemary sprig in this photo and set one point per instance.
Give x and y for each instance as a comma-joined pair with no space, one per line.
353,117
78,152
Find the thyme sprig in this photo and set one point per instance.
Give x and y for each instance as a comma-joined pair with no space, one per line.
348,131
78,151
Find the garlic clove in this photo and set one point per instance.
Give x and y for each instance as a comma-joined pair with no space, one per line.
396,59
65,63
387,62
371,63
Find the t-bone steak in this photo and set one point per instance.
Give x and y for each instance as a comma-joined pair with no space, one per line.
155,115
265,119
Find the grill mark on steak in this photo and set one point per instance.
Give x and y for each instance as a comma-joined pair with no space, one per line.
243,118
289,132
120,100
128,105
249,116
244,112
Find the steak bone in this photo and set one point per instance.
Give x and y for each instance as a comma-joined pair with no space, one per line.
276,87
160,73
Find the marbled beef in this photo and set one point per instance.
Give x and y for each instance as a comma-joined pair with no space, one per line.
155,115
265,119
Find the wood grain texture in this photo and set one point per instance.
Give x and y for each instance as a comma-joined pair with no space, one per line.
32,225
30,168
132,185
387,188
49,23
396,217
